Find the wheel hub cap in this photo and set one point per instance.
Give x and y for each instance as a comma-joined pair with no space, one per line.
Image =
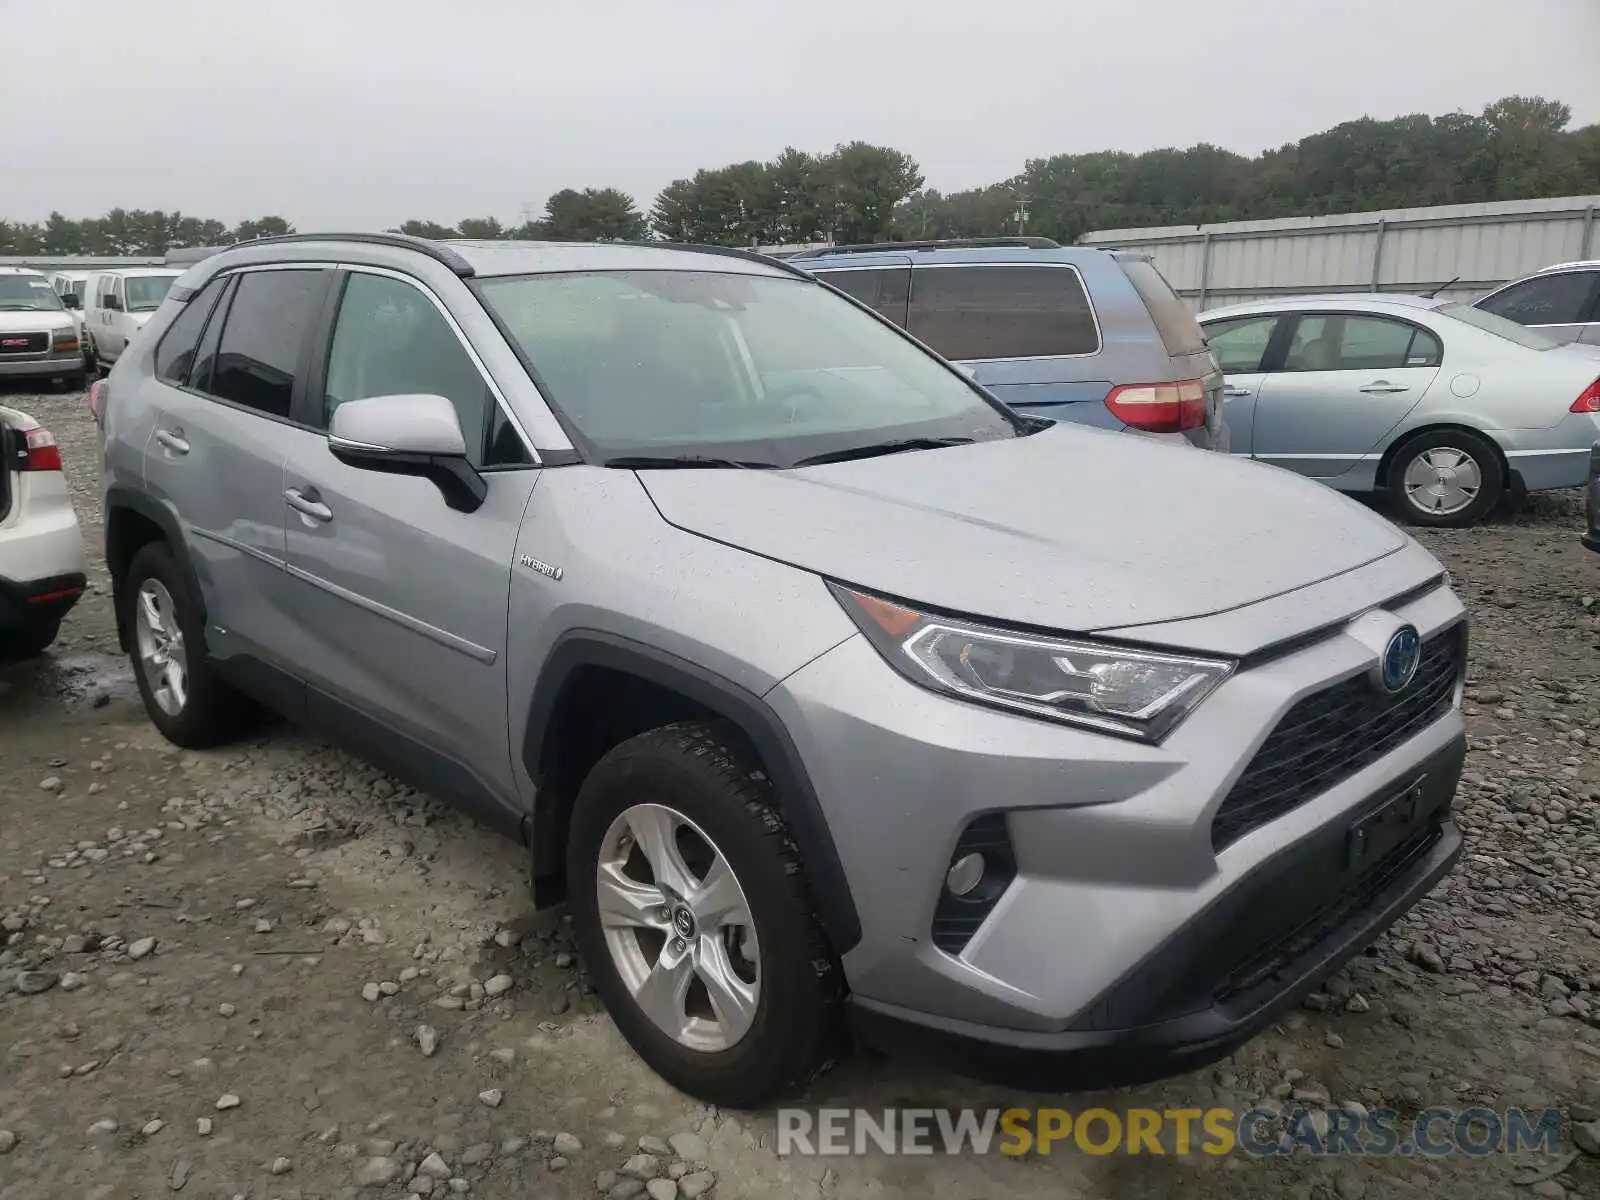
163,658
678,927
1443,481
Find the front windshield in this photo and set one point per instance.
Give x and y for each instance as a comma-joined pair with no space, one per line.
706,365
1499,326
146,292
28,293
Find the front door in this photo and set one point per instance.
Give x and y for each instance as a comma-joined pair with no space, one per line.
1345,381
401,600
227,372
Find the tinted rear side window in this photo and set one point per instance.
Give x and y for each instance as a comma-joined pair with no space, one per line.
269,327
175,352
885,289
992,310
1180,332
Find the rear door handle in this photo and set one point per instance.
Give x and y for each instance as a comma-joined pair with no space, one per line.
1383,387
1235,391
173,440
308,504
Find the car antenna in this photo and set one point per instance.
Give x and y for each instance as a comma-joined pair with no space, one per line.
1442,287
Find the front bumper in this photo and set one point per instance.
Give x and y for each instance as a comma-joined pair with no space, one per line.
1106,945
1223,978
44,366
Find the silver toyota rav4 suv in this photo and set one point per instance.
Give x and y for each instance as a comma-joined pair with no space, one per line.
832,696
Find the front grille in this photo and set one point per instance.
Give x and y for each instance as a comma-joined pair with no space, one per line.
1329,736
24,343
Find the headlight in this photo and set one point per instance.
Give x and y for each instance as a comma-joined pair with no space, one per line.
1140,694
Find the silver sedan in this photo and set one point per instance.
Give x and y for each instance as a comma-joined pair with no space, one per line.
1446,407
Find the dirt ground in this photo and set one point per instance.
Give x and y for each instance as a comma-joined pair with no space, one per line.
261,972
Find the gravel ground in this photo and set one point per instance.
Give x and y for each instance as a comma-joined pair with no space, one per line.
271,971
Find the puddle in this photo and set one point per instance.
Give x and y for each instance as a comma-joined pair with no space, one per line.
79,682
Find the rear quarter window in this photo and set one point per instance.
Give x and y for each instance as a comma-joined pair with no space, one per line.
1179,331
984,311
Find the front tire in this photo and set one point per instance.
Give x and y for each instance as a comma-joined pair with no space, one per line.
691,909
1446,478
179,685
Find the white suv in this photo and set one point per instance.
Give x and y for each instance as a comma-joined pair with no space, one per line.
42,569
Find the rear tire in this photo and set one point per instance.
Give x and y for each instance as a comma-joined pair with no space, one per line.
182,693
1446,479
709,793
75,382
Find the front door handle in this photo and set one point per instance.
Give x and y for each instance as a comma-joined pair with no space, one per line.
1235,391
308,504
172,439
1382,387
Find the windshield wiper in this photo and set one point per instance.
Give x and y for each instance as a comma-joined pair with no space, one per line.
647,462
875,449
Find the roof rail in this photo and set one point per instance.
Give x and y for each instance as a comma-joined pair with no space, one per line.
1026,243
400,241
726,252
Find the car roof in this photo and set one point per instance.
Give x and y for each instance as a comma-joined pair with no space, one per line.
1392,302
487,259
142,272
1585,264
21,271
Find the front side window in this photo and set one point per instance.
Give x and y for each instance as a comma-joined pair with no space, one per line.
1359,343
1562,298
176,350
992,311
270,324
146,292
761,369
28,293
390,340
1241,343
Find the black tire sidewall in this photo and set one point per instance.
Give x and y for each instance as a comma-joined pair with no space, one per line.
795,1011
1482,453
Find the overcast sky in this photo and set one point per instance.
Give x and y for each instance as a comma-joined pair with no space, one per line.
360,113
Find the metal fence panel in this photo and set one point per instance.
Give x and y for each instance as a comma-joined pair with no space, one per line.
1469,247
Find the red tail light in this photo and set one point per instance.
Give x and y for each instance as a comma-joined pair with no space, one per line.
1589,402
40,451
1160,407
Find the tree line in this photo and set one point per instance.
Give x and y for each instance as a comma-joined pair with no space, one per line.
1519,147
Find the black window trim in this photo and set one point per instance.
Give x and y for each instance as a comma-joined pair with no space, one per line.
236,275
1277,354
1588,312
1094,316
199,337
898,265
324,348
1276,341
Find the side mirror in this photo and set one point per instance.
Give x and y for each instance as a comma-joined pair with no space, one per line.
72,300
113,304
409,435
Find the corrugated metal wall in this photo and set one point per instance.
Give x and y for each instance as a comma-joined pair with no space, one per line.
1400,250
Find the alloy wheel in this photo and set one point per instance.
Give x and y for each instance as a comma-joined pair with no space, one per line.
162,656
678,927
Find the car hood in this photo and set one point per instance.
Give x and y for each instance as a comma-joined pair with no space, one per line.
33,320
1068,529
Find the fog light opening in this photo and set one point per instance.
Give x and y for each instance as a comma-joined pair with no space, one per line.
965,874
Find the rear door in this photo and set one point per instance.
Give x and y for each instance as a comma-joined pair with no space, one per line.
216,455
1560,304
1240,346
1026,329
1341,383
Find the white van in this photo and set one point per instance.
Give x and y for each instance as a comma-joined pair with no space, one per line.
71,286
116,305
